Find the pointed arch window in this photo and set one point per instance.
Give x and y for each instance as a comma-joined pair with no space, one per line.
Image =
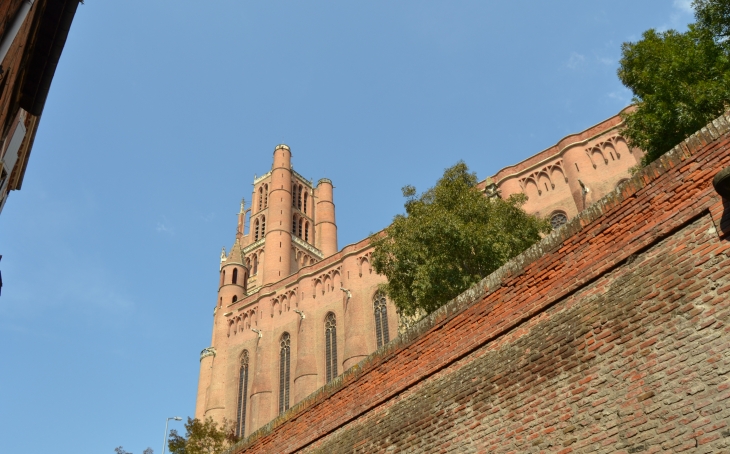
284,360
299,197
301,224
294,224
382,335
223,278
261,197
256,231
330,352
263,226
266,195
558,219
255,264
305,201
306,231
234,278
242,395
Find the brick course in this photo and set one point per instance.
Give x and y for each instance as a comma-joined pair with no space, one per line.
608,336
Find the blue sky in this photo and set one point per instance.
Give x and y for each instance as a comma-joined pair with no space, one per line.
161,113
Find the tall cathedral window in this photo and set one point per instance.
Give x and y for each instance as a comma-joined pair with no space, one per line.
263,226
381,320
234,278
306,231
301,224
294,224
256,230
261,197
299,197
284,359
305,202
330,351
242,395
255,264
266,195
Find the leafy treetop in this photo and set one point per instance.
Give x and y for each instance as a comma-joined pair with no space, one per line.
202,437
450,237
680,81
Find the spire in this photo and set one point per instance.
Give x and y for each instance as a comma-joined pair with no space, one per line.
236,255
241,220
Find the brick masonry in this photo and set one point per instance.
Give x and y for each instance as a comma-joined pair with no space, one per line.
610,335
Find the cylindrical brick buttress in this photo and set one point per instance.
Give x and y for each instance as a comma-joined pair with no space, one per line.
277,248
324,218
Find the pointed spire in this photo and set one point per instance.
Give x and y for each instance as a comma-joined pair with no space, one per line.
241,220
236,255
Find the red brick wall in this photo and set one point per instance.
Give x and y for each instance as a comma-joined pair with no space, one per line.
610,335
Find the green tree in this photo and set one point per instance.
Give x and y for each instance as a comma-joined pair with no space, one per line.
714,16
680,81
202,437
450,237
120,450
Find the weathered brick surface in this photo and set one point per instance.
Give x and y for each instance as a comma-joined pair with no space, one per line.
608,336
632,362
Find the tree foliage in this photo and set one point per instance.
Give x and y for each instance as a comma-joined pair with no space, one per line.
680,81
120,450
202,437
714,16
450,237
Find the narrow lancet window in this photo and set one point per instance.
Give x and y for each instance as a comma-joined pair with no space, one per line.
242,395
330,352
284,359
234,279
382,334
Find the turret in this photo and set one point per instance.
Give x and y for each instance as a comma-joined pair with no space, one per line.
233,277
324,218
277,247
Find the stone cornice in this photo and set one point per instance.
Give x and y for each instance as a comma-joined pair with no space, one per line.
254,246
308,247
266,175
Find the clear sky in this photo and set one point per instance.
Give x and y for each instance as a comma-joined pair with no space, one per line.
159,116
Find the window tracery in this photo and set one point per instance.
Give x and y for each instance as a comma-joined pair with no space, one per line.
242,395
330,354
558,219
284,376
382,335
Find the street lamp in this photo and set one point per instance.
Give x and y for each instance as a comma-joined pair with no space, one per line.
164,443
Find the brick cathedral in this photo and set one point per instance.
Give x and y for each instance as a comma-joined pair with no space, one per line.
293,312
